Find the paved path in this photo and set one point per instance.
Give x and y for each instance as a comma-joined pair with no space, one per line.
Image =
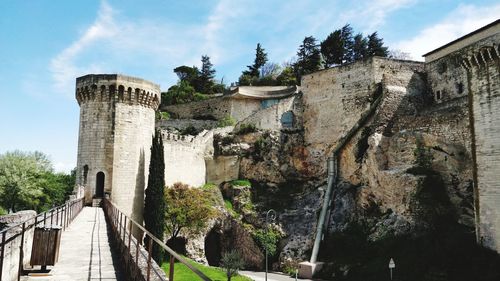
85,252
260,276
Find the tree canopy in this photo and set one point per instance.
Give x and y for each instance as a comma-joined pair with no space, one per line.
27,181
341,46
187,209
308,57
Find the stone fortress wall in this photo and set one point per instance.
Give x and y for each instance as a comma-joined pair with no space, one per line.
117,119
434,98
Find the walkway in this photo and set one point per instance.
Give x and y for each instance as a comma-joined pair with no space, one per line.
85,252
260,276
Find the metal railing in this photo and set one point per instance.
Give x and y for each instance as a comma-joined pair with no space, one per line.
61,216
133,250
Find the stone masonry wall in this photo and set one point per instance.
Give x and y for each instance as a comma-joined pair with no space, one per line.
484,98
270,118
134,129
334,100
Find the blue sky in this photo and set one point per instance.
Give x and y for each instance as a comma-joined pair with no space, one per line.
46,44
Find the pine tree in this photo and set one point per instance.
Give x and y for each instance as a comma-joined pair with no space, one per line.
308,57
260,60
207,74
154,205
376,46
337,48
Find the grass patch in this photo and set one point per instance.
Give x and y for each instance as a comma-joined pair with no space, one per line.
230,208
241,183
183,273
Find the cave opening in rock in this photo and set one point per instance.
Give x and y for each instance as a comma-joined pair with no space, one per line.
213,247
178,244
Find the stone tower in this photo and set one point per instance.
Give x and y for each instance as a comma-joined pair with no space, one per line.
117,121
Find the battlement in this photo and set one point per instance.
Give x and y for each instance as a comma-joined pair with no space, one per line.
481,57
117,88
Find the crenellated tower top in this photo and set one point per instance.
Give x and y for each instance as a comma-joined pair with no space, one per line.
117,88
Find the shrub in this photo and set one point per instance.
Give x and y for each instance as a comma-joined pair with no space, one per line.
241,183
226,121
268,239
162,115
232,262
246,128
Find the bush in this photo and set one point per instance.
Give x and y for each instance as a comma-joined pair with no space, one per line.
232,262
246,128
226,121
162,115
267,239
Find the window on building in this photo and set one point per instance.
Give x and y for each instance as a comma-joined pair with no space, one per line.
438,95
287,119
460,88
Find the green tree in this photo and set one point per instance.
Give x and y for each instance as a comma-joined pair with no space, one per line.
359,47
287,77
186,73
376,46
20,179
232,262
182,92
308,57
187,208
56,189
259,61
206,77
337,48
154,204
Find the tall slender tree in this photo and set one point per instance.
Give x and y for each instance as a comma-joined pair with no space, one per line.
154,205
337,48
206,77
259,61
359,47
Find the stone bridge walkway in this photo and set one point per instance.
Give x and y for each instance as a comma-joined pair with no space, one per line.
85,252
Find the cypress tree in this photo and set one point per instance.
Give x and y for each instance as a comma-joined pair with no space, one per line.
308,57
376,46
154,205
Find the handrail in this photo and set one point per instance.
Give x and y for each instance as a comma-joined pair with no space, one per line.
118,219
332,164
61,215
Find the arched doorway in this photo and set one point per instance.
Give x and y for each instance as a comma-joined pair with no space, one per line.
99,185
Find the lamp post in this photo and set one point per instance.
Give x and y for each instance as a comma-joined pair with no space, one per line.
270,217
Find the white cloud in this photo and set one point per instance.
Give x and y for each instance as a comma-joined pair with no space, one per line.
462,20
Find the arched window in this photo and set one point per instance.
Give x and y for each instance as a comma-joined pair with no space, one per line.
99,185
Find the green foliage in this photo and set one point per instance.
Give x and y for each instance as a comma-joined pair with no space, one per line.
213,193
229,207
259,61
162,115
187,208
261,146
287,77
308,57
290,267
183,273
246,128
227,120
341,47
267,239
376,46
154,203
207,74
241,183
27,181
180,93
232,262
